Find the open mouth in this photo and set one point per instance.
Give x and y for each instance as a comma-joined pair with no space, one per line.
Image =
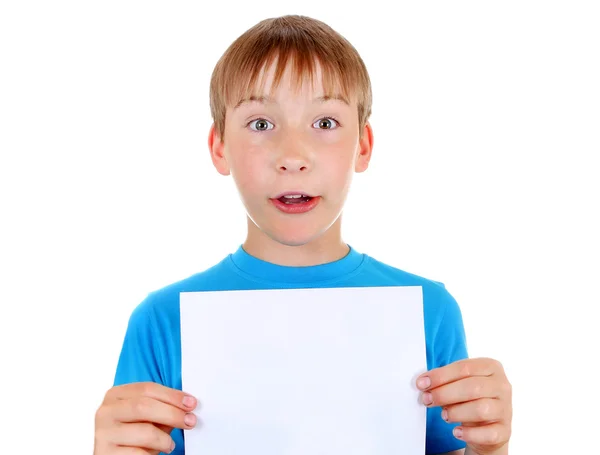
295,202
294,199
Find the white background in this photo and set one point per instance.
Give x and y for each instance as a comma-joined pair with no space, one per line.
486,119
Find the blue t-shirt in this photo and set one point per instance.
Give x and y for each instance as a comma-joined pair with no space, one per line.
152,346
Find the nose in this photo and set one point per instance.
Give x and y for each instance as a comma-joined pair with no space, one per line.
293,158
291,164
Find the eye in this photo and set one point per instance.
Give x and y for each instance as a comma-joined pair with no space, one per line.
260,125
326,123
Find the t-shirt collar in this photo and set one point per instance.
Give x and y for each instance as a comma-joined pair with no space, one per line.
267,271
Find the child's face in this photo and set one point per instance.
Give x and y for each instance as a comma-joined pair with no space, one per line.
295,144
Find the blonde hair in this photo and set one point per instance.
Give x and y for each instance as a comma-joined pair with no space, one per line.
302,40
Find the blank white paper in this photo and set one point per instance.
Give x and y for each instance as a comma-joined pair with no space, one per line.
305,371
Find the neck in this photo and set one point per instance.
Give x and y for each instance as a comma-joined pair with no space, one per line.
326,248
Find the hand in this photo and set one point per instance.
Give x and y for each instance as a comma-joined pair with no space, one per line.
476,393
138,419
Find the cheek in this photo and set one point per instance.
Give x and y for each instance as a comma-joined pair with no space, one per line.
339,160
248,167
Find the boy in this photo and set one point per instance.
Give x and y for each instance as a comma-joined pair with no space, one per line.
291,99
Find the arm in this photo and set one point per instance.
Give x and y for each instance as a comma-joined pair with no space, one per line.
448,344
455,385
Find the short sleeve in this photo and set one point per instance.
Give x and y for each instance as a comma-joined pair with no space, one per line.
449,345
141,355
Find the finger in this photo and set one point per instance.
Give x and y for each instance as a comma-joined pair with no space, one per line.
133,451
491,436
458,370
143,435
468,389
144,409
152,390
484,410
166,428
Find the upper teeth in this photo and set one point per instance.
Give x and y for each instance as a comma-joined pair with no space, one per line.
293,196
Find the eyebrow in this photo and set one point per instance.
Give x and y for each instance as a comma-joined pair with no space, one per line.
264,99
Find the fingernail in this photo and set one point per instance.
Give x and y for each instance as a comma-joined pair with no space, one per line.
189,401
172,446
457,432
423,383
445,415
190,419
427,398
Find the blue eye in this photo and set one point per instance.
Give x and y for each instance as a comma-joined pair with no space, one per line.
326,123
260,125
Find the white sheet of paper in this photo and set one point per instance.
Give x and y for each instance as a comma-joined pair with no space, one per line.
305,371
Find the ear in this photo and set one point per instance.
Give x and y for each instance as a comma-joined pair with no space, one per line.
216,146
365,149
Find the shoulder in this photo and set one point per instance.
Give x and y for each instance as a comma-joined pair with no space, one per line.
163,302
444,330
435,295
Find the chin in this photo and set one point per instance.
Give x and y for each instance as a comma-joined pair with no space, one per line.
298,230
297,238
293,240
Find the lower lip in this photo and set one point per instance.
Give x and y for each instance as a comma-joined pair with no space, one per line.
295,208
